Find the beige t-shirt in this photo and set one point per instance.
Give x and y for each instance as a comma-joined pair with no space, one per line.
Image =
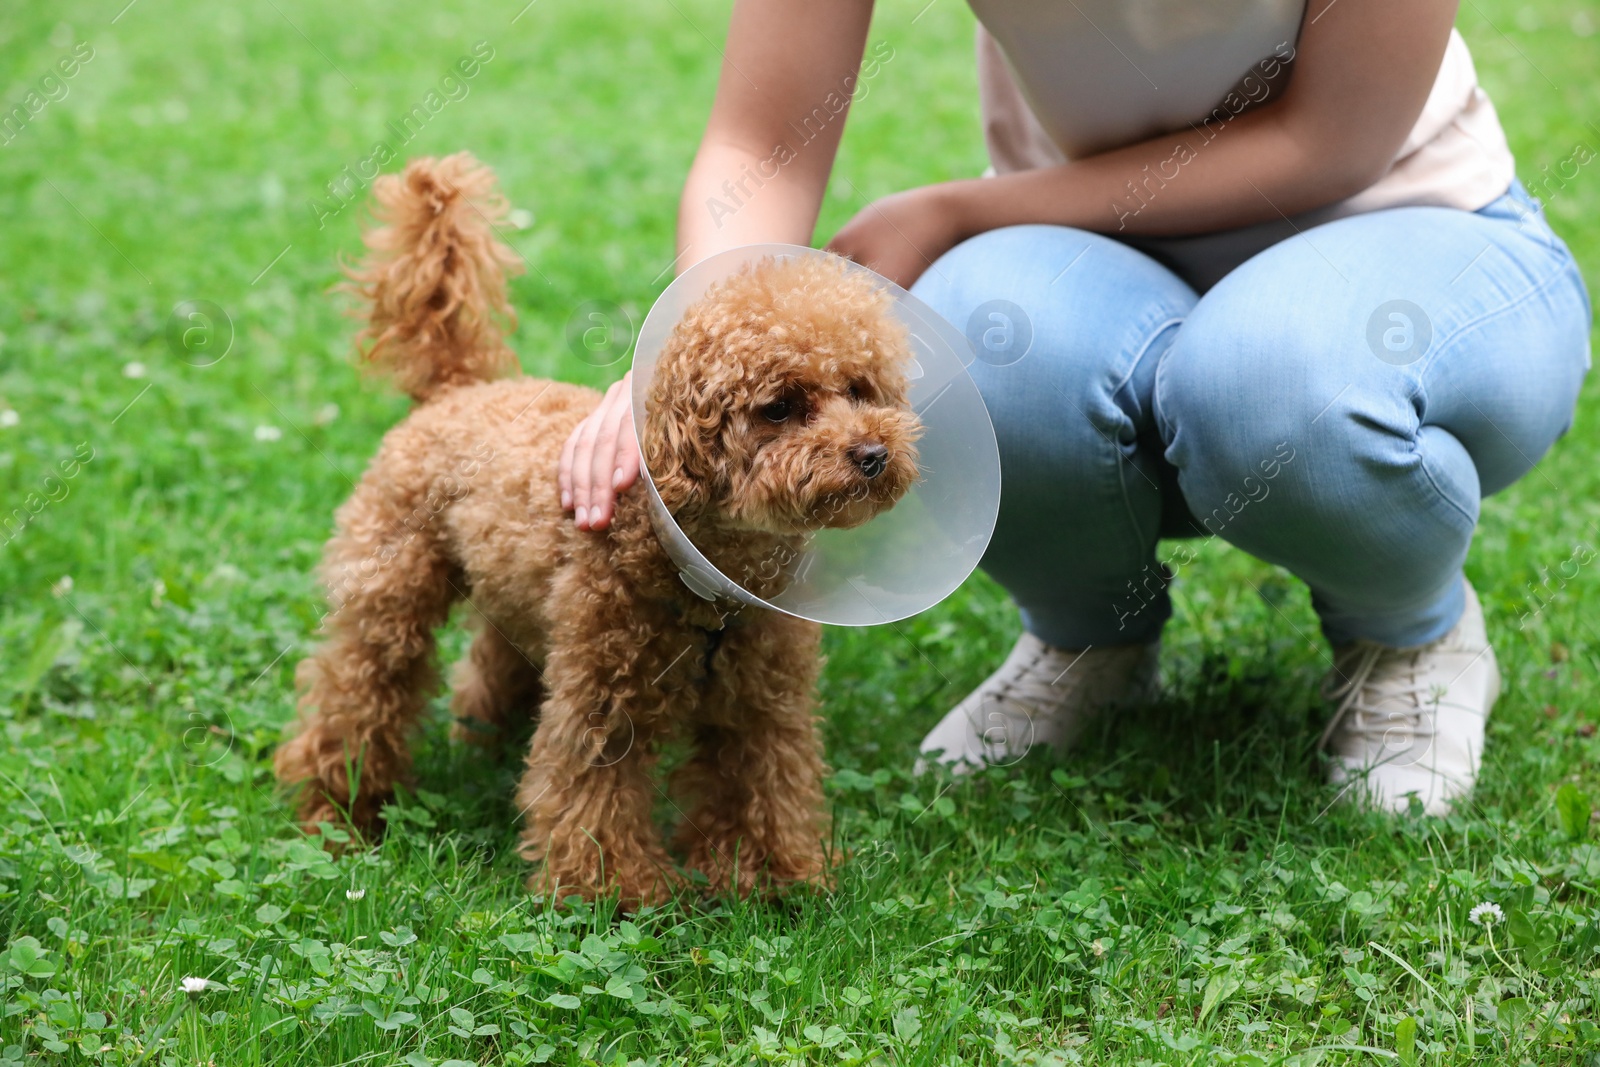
1065,79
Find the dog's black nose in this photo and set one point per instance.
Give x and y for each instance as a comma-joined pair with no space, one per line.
871,459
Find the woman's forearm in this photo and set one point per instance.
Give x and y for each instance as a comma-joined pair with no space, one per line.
1255,168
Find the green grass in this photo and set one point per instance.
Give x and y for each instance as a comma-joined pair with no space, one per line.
1179,892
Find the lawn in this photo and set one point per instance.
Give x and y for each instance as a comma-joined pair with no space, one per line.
1180,891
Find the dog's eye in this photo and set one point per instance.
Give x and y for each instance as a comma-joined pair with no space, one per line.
778,410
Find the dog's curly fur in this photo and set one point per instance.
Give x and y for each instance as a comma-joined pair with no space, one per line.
778,407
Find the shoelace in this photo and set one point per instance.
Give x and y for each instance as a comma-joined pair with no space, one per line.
1375,682
1032,691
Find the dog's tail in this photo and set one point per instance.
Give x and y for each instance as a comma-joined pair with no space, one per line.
434,278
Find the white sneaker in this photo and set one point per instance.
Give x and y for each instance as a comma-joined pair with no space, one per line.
1039,696
1411,720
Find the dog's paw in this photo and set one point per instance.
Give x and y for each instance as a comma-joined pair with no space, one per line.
729,871
315,811
637,890
359,823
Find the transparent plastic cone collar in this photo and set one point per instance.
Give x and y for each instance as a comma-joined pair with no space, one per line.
910,556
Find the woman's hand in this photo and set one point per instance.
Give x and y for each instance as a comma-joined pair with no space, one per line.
900,236
600,458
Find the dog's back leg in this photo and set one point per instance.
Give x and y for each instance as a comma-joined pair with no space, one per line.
495,686
391,585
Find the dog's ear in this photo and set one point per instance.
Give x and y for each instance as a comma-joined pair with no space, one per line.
683,423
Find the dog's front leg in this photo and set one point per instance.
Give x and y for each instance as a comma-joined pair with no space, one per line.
757,818
587,792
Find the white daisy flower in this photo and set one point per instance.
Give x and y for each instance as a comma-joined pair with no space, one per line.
268,433
133,370
520,217
326,414
195,986
62,588
1486,914
9,417
354,894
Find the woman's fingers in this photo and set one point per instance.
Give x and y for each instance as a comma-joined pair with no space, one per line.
614,435
627,471
564,468
599,459
582,453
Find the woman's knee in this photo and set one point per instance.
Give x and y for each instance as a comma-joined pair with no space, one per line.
1234,382
1044,273
1057,318
1250,397
1255,403
1258,363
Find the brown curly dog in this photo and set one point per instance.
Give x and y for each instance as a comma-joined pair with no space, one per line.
778,407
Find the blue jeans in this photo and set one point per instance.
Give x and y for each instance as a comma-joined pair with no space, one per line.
1338,405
